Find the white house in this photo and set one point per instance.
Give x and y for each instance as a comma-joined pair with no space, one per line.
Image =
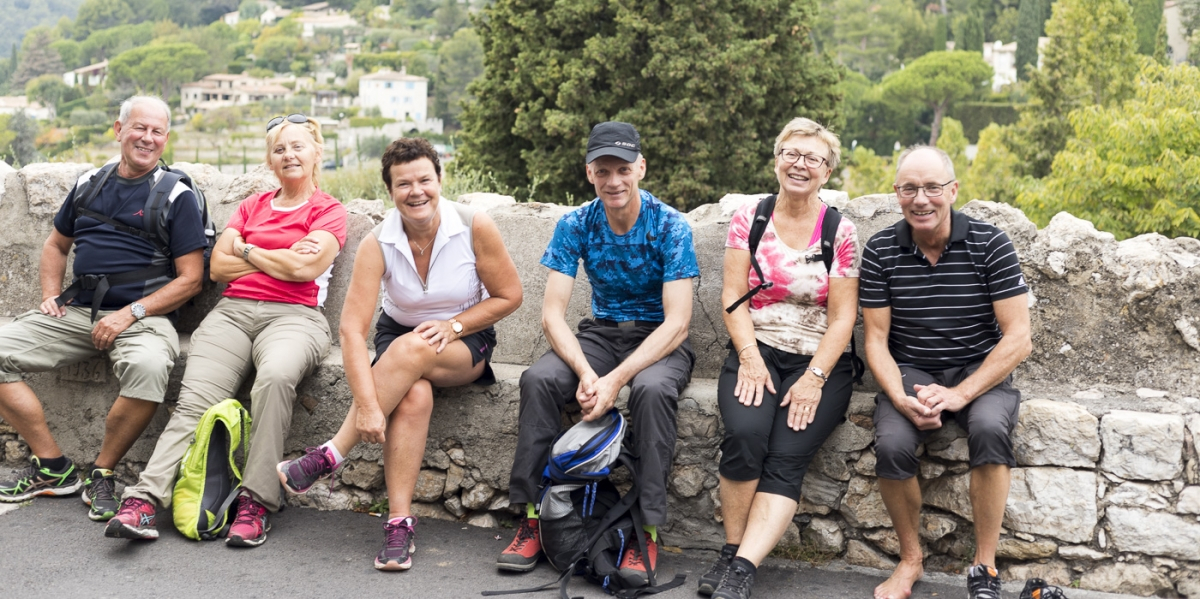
91,76
1177,41
15,104
1002,58
310,24
220,90
398,96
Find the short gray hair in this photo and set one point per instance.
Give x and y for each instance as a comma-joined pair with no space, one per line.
810,128
127,108
947,163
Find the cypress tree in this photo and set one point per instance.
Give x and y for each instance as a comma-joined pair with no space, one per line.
1147,15
1029,27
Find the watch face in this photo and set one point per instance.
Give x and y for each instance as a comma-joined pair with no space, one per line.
457,326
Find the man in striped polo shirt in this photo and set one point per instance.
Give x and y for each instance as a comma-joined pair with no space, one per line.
946,321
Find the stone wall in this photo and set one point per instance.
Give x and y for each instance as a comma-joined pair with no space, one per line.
1107,489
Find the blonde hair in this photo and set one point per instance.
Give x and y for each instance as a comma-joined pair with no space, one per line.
314,130
810,128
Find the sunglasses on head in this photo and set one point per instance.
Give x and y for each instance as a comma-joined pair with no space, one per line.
291,118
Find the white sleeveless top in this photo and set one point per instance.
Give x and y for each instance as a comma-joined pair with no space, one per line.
452,284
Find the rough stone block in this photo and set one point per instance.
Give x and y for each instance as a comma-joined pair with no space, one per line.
1154,533
824,535
1025,550
1054,433
363,474
949,493
1135,579
862,506
477,496
1142,446
1189,501
1138,495
821,490
431,510
1081,552
1054,502
430,485
859,553
885,539
849,437
688,481
47,184
1054,572
484,520
936,526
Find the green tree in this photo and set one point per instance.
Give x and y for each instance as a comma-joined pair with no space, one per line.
460,61
50,91
1005,27
877,123
37,57
868,173
952,141
1147,16
420,9
1029,27
995,174
938,79
96,15
107,43
250,9
276,52
968,33
1086,62
708,88
158,68
22,149
874,37
69,51
450,17
1132,168
1161,48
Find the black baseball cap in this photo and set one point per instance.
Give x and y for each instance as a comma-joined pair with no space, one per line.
613,138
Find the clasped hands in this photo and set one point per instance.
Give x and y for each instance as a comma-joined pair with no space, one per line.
597,394
925,410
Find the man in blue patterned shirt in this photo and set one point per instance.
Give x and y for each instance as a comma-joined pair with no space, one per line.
640,261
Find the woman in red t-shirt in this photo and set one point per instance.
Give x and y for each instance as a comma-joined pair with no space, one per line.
275,256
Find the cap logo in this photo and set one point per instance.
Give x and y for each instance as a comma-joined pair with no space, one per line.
624,144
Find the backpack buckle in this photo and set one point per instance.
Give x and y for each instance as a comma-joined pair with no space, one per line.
90,282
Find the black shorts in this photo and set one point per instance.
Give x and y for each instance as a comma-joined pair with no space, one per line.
481,344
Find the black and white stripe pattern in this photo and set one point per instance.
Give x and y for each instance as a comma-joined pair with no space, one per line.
942,316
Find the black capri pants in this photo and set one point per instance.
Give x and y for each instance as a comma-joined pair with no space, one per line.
758,443
989,421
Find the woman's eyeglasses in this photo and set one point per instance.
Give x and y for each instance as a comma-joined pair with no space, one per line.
291,118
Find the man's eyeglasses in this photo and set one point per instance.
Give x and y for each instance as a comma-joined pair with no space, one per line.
789,157
932,190
291,118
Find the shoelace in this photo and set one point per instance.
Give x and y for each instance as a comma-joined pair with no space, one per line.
736,579
721,565
103,488
315,460
981,585
248,511
524,534
397,534
635,559
26,476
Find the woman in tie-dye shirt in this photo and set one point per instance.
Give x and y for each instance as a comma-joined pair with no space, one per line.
786,383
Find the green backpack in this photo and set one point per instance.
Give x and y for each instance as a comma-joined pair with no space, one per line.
209,475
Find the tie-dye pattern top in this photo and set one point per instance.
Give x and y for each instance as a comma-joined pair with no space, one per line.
791,316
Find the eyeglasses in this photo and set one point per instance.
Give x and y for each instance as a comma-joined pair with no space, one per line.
932,190
790,157
291,118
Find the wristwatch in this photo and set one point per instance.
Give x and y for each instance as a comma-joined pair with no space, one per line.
246,251
138,310
456,326
820,373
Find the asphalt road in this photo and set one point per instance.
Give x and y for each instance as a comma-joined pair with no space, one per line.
48,548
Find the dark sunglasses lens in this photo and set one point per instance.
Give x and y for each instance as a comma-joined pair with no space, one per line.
297,118
271,124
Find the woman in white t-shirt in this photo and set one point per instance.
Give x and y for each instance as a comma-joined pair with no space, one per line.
786,383
447,279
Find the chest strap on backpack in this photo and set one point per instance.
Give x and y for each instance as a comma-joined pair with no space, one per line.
100,284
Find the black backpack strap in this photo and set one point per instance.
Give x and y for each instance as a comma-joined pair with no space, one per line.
84,197
762,216
154,218
829,227
100,284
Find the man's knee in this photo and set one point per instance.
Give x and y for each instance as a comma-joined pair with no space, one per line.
895,457
990,442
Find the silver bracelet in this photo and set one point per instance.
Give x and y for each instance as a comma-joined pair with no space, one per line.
820,374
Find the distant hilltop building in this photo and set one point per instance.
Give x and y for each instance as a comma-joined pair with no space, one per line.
1177,41
220,90
398,95
15,104
89,77
1002,58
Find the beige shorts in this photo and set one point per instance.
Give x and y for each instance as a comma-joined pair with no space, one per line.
142,356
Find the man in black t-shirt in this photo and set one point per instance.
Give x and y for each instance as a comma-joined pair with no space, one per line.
946,320
131,326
